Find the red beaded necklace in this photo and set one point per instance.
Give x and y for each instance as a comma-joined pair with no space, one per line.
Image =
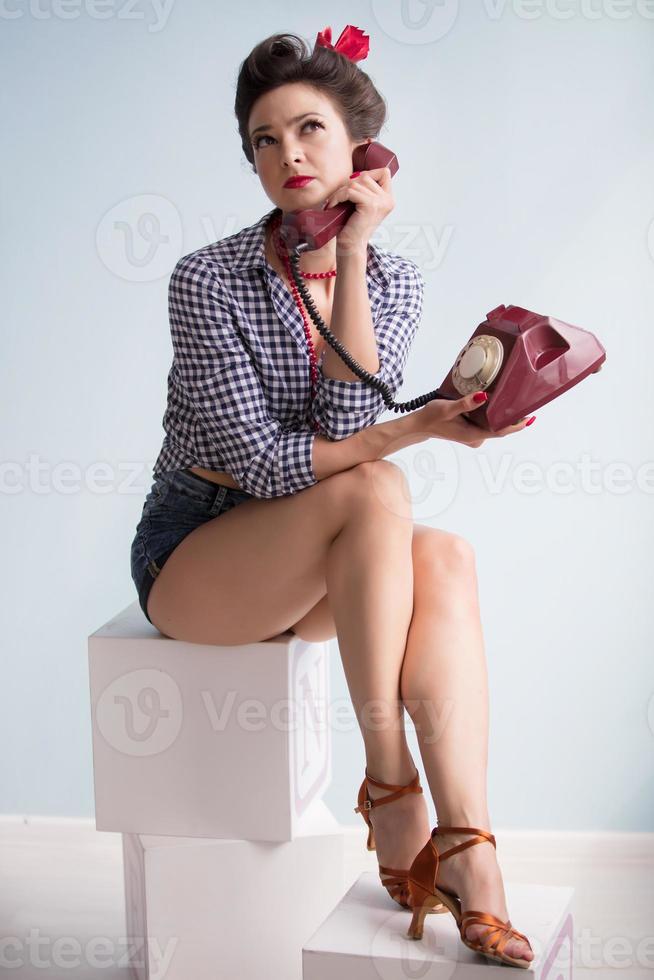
282,254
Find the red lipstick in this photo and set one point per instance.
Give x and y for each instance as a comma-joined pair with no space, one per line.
298,181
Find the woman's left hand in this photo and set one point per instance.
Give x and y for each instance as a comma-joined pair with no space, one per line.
371,194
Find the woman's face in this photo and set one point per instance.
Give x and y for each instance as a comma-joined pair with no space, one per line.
316,145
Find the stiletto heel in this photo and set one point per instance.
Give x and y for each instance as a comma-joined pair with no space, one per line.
423,902
395,880
423,891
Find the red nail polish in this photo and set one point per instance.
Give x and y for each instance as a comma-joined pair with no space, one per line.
355,174
530,421
479,397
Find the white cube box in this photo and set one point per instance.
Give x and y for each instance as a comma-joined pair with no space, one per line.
230,909
194,740
365,939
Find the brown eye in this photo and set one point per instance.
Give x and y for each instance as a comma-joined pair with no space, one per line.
309,122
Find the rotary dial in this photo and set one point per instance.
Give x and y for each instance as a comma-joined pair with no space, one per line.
478,364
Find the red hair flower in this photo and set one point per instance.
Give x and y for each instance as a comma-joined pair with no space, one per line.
353,42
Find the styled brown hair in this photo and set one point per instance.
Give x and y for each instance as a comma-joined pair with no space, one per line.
284,58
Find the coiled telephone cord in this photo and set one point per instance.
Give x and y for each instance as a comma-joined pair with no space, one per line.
379,385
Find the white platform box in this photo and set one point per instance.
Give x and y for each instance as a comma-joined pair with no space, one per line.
230,909
364,939
192,740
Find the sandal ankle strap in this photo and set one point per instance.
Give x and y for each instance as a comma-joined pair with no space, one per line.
481,836
412,787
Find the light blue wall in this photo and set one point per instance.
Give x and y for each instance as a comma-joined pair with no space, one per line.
524,135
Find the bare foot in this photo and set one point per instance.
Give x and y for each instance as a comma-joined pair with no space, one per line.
474,875
401,828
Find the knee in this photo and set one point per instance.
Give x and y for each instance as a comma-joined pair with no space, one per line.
383,485
443,557
460,552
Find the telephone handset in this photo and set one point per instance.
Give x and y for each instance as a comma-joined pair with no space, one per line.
525,359
305,231
312,228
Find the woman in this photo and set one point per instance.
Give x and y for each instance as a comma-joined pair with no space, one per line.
273,507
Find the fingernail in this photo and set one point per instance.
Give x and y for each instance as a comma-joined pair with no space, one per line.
355,174
530,421
479,397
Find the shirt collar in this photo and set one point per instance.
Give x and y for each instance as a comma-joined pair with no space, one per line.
250,252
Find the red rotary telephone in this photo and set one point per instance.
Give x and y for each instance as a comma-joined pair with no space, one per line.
524,359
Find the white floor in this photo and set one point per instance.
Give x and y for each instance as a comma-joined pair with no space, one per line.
61,897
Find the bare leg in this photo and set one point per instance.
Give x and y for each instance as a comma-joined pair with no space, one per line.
444,685
369,576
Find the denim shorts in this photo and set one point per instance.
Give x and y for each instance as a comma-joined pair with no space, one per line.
178,502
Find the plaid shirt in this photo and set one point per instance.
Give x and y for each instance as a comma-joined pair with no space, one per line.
239,385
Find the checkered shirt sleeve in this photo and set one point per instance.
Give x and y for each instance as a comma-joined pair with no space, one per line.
215,370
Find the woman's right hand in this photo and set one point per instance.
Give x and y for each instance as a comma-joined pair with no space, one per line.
443,419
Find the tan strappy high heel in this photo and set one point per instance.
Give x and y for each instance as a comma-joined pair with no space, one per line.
424,893
393,879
